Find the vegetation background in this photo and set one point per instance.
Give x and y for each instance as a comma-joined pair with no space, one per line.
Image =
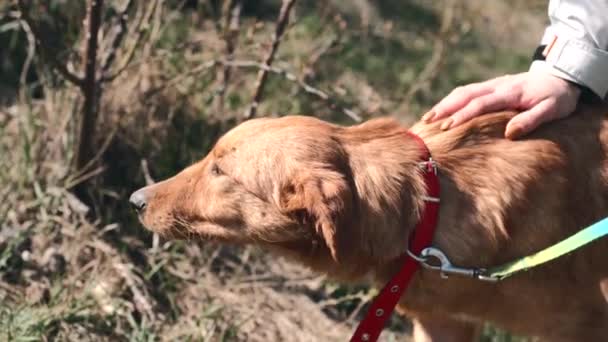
98,98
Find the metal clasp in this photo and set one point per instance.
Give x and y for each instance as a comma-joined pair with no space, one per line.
429,165
446,268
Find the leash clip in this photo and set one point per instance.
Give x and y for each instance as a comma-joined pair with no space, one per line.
446,268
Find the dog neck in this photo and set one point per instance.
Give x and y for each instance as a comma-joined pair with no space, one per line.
389,188
472,227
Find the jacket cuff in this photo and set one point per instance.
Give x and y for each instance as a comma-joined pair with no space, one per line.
541,65
578,62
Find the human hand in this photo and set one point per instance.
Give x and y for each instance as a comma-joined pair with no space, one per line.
540,96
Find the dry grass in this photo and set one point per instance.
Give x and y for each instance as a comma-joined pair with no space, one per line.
63,277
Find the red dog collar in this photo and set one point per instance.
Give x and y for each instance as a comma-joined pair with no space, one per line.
383,305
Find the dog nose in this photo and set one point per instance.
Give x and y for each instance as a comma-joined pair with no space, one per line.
138,200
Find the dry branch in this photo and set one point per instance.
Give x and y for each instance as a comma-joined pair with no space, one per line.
231,26
440,48
31,51
141,29
81,177
91,163
282,21
119,35
323,96
90,87
331,102
316,56
45,50
196,71
146,171
135,284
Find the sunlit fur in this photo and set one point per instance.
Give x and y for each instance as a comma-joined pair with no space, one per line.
344,200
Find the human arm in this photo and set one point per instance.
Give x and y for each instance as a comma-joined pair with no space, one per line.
577,59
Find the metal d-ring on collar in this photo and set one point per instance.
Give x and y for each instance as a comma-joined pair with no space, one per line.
445,266
429,166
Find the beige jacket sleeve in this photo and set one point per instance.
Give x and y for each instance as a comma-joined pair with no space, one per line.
577,43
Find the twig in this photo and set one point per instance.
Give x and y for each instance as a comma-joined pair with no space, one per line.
45,49
150,181
142,28
133,281
364,300
120,33
31,51
231,27
83,177
336,301
317,55
263,74
331,103
89,165
431,69
319,94
141,302
177,80
146,171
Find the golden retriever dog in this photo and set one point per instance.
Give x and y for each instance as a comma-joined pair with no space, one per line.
344,200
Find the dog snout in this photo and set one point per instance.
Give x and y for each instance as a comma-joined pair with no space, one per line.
138,200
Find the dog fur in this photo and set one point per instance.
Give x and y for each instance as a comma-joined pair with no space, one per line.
344,200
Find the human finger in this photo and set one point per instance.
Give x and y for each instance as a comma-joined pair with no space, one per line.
456,100
481,105
527,121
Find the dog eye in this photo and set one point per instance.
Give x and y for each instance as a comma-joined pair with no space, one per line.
216,171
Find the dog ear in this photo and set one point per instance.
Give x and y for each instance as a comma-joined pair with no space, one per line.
325,200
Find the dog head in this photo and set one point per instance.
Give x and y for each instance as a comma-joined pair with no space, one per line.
283,183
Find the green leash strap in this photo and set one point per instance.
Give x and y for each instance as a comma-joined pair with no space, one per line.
576,241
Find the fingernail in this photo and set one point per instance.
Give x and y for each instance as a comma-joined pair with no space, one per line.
447,124
513,131
428,116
